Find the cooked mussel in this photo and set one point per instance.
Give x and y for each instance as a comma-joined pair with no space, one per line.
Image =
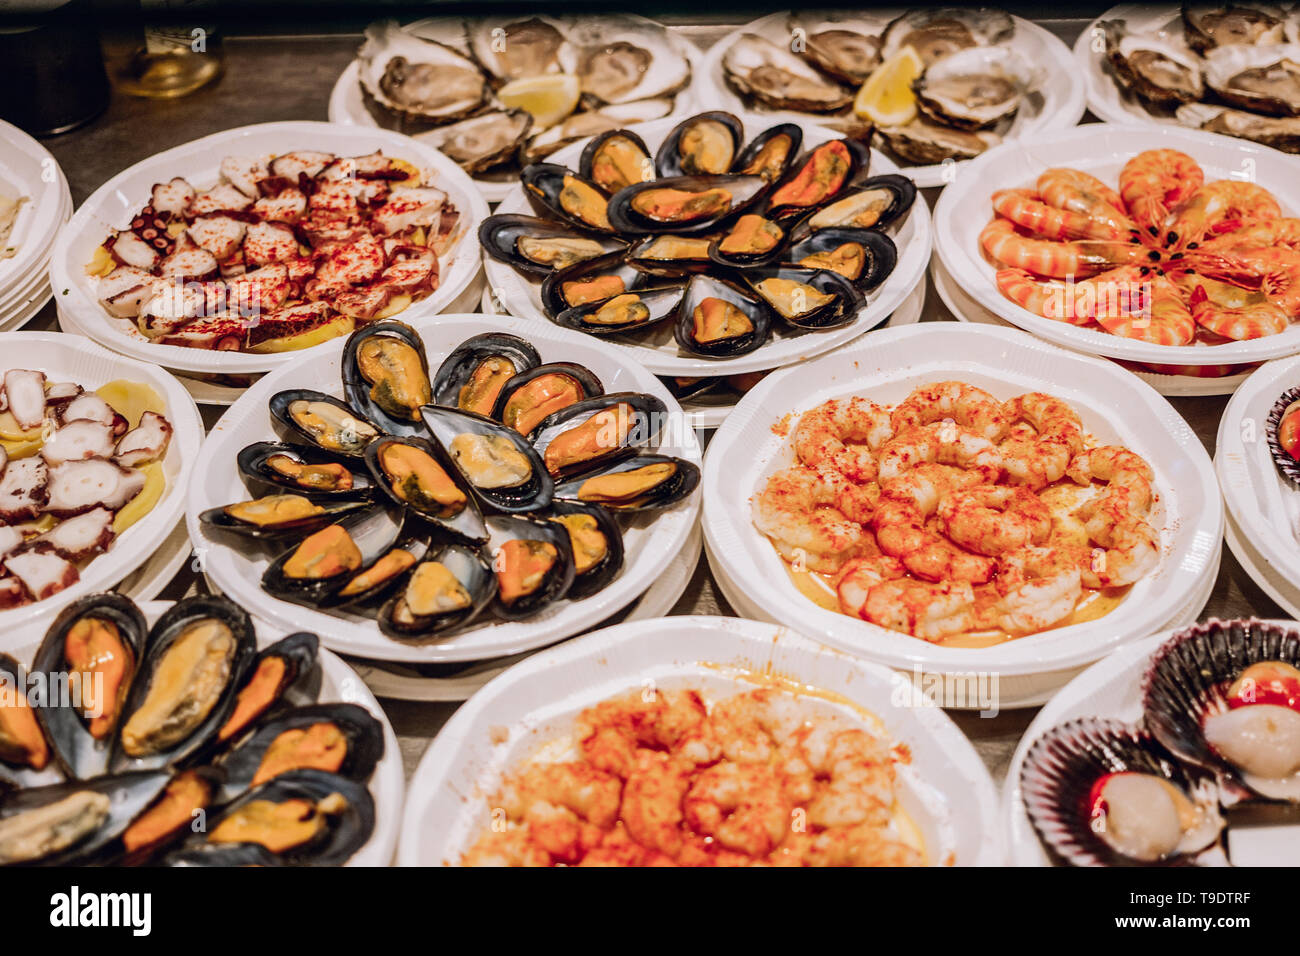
278,517
593,432
302,470
684,387
532,395
595,280
818,177
596,542
717,320
316,568
96,644
172,814
533,563
386,375
267,678
750,240
806,298
561,193
629,312
417,474
771,153
670,255
471,377
324,421
539,246
702,145
24,749
876,203
865,257
683,204
377,579
445,591
640,483
496,461
615,159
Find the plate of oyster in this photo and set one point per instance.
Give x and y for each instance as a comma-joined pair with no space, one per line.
1224,68
978,77
496,93
468,488
128,723
714,245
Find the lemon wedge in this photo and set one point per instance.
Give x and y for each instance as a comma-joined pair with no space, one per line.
548,98
887,98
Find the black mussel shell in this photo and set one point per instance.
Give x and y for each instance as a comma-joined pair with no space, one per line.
557,292
364,737
544,185
672,487
1287,466
593,168
378,578
346,829
1064,765
1187,684
623,313
880,255
840,309
555,582
603,569
738,193
347,435
175,622
505,237
703,287
465,523
18,764
791,198
673,159
219,519
398,412
683,388
671,256
79,753
474,573
298,652
116,801
373,531
456,432
197,786
875,203
748,163
459,367
259,476
511,414
646,421
222,854
743,260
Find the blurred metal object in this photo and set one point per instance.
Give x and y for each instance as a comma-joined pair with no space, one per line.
52,75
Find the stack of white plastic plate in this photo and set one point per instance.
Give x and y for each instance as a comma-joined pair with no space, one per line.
29,173
1263,521
1115,408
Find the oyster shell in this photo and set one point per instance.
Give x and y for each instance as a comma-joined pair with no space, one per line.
976,88
482,141
1262,79
593,122
621,59
922,141
1156,68
1211,25
1278,132
757,68
942,31
417,78
845,46
510,48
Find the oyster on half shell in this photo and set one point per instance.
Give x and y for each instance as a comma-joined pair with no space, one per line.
975,88
482,141
1263,79
924,142
757,68
512,48
843,45
593,123
622,59
1211,25
1157,68
1278,132
942,31
417,78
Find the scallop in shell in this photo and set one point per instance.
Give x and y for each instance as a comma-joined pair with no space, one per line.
418,79
1158,69
770,74
976,88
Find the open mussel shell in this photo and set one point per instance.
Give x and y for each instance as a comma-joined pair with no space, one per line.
683,204
350,746
1160,812
221,855
705,144
169,817
597,544
324,421
540,246
818,177
752,240
1225,695
93,650
386,376
1283,436
615,159
865,257
806,298
470,378
25,759
322,820
533,562
593,432
641,483
447,590
532,395
560,193
267,679
498,463
282,517
685,387
76,822
671,256
771,153
418,474
186,683
313,571
593,281
875,203
629,312
302,470
716,319
370,585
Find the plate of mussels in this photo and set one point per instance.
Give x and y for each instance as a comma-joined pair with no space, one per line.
187,734
468,487
714,245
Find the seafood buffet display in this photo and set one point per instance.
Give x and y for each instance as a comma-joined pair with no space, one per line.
673,780
495,93
1219,730
284,252
960,518
1231,68
164,722
1168,259
725,242
492,485
77,468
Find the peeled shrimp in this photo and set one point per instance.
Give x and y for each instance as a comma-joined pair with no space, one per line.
742,806
944,443
510,847
930,611
566,806
863,845
968,406
902,533
994,519
859,576
1040,459
652,800
854,773
1038,587
815,516
1131,551
843,435
610,733
1126,474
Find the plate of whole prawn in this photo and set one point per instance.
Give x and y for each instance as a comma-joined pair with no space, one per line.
1159,246
657,743
997,504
